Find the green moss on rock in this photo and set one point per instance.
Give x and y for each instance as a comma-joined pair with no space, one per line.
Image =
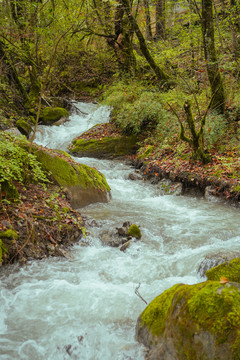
134,231
197,322
24,127
107,147
84,184
145,152
50,115
155,314
8,234
3,250
231,270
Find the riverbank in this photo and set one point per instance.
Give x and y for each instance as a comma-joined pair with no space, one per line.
39,225
195,177
219,178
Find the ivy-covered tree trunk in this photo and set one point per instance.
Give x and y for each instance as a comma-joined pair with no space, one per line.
214,76
11,73
235,21
121,42
160,73
195,139
160,20
148,20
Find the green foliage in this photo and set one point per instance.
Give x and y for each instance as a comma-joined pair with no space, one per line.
17,164
215,128
137,109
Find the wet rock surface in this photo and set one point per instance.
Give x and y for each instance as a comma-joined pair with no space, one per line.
216,259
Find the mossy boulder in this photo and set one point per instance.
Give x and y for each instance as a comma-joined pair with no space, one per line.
84,185
108,147
212,260
134,231
230,270
24,127
50,115
197,322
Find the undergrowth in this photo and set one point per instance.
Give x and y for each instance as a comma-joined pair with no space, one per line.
16,164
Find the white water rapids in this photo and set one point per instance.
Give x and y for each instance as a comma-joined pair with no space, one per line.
85,308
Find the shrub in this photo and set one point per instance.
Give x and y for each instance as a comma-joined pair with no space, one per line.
137,108
215,128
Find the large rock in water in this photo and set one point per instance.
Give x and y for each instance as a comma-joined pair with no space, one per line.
50,115
195,322
84,185
103,146
229,270
215,259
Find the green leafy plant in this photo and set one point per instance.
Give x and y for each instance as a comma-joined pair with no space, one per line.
137,109
215,128
16,164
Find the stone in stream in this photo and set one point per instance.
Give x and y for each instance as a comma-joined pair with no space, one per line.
135,176
103,147
197,322
83,184
123,230
124,234
50,115
125,245
216,259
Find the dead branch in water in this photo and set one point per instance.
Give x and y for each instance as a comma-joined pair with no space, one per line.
137,293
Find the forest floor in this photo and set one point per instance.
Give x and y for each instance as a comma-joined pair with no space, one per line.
42,224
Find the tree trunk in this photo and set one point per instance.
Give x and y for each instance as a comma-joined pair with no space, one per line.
160,20
148,20
161,75
196,140
121,43
11,73
214,76
235,6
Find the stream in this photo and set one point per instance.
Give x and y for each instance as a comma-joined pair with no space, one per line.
85,307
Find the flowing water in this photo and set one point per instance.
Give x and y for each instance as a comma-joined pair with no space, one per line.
85,307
